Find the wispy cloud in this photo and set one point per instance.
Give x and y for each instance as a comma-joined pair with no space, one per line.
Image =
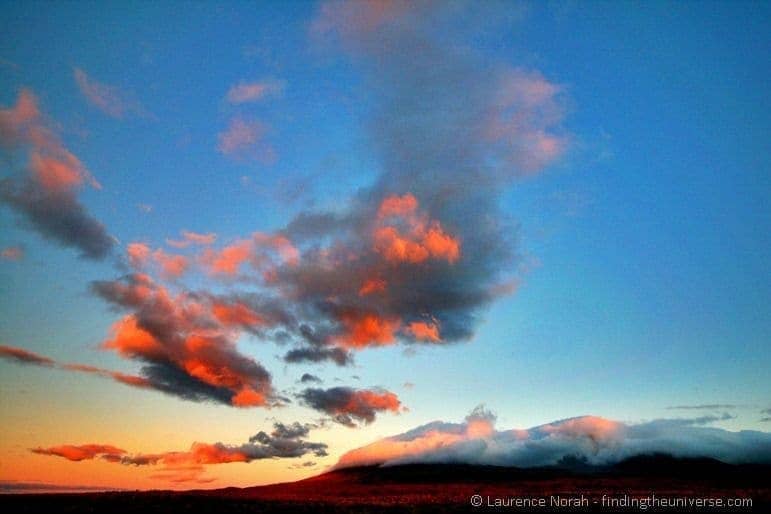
244,139
244,92
12,253
705,406
108,99
192,238
22,356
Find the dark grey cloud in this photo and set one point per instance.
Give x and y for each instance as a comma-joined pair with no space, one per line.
314,354
286,441
705,406
349,406
307,378
57,216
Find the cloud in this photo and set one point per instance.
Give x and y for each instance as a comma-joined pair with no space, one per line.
192,238
337,355
283,442
596,440
245,140
263,252
253,91
24,356
108,99
45,195
12,253
84,452
348,406
187,342
416,257
705,406
170,265
14,487
307,378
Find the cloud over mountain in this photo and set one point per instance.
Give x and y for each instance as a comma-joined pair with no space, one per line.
592,439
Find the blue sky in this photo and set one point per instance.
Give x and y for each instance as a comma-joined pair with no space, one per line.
642,245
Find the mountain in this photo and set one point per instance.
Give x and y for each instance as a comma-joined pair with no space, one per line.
440,488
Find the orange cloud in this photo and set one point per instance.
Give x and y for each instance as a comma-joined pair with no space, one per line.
131,380
55,174
189,341
367,329
79,453
284,441
236,314
229,259
394,205
138,254
172,266
402,234
52,166
261,250
372,286
24,356
424,331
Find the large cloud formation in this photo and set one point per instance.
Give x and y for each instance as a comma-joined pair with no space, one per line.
591,439
285,441
45,194
415,257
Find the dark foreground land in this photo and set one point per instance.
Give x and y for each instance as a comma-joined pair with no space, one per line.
450,488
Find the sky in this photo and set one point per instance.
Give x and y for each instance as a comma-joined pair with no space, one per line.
241,240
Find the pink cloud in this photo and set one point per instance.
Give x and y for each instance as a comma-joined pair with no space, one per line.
252,91
138,253
192,238
12,253
245,139
51,164
107,99
170,265
523,119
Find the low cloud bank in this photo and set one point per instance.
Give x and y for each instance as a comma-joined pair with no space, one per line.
593,439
